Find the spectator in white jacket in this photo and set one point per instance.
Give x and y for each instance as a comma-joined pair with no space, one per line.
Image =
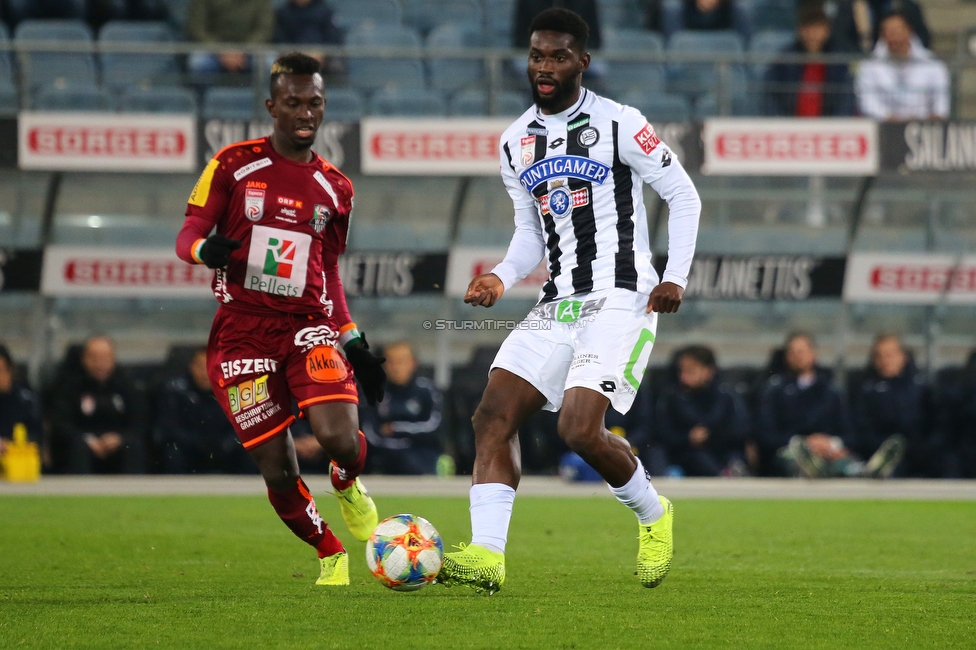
903,80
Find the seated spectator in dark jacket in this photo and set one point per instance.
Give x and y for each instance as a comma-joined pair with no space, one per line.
703,423
94,425
959,420
810,89
803,421
708,14
307,22
18,404
191,430
857,23
527,10
895,400
212,22
403,430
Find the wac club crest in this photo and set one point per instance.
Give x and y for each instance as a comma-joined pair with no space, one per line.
320,217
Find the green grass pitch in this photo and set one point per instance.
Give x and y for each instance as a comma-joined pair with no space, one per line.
223,572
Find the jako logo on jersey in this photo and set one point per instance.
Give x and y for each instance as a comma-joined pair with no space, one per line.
251,167
320,217
239,367
280,258
564,166
528,150
324,365
277,261
647,139
258,185
254,204
248,394
560,201
311,337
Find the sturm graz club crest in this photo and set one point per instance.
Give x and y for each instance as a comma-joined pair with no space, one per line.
320,217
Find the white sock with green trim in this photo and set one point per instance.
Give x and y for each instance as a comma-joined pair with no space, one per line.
491,512
640,496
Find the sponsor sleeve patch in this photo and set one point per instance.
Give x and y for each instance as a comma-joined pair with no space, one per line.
201,191
647,139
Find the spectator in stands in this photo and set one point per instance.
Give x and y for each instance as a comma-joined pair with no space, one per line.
707,14
62,9
702,422
857,23
191,431
803,422
527,10
18,403
93,417
902,80
894,406
404,429
959,420
306,22
212,22
810,89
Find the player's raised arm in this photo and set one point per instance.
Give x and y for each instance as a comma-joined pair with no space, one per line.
208,200
641,149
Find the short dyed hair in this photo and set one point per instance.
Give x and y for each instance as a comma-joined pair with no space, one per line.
294,63
562,21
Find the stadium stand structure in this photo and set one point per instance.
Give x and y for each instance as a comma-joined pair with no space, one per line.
42,68
125,69
158,99
415,102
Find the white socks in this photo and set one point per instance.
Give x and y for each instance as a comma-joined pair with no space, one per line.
640,496
491,512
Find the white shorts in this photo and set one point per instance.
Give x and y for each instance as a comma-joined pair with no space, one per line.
600,340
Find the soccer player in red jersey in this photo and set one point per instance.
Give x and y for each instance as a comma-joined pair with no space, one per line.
281,214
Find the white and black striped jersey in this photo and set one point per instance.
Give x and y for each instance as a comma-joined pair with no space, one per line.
575,178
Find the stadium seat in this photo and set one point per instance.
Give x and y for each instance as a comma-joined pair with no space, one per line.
343,105
408,101
697,78
474,103
351,14
498,22
231,104
625,14
765,15
158,99
623,76
370,73
425,15
125,69
453,73
770,42
41,68
78,97
659,107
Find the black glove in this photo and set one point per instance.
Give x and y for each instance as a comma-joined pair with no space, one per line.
368,370
216,251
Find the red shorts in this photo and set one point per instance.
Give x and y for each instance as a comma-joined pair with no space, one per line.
258,363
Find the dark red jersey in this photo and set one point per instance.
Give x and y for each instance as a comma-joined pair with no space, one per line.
292,219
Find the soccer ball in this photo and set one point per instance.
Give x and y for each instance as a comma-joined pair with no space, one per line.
404,552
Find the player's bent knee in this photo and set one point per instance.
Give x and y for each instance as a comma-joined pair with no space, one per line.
578,434
493,421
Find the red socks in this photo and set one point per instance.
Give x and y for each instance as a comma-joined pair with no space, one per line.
296,507
343,476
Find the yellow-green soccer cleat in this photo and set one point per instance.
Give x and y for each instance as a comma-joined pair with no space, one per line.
335,570
358,510
656,548
473,566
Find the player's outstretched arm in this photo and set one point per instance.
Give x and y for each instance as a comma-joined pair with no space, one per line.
484,290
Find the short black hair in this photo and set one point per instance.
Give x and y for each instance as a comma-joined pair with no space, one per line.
294,63
812,16
563,21
699,353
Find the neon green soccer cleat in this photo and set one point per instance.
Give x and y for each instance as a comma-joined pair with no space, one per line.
473,566
335,570
656,548
358,510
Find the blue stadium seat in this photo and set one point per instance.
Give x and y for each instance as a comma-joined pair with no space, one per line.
623,76
498,22
77,97
453,73
45,67
770,14
158,99
408,101
659,107
351,14
343,105
223,103
698,78
124,69
370,73
425,15
770,42
625,14
474,103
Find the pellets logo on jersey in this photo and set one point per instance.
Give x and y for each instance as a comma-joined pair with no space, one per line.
528,150
320,217
254,204
279,258
647,139
324,365
247,394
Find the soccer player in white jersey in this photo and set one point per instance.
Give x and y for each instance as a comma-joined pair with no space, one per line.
574,165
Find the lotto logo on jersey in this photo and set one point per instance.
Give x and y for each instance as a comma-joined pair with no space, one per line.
254,204
647,139
277,261
248,394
